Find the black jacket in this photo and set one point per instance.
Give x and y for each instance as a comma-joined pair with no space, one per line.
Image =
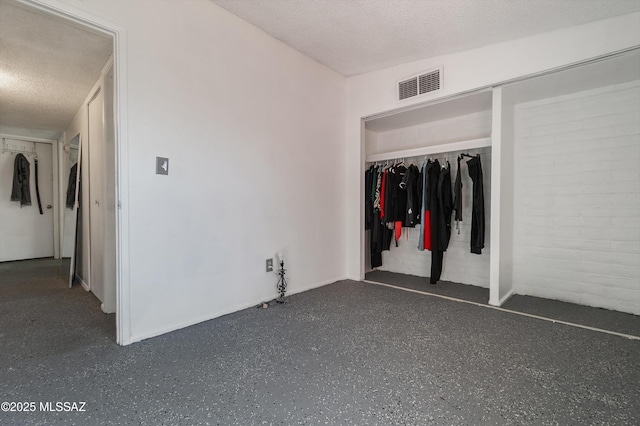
445,207
414,202
21,190
71,186
477,211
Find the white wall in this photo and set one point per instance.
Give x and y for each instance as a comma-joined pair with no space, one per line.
373,93
470,126
577,197
254,132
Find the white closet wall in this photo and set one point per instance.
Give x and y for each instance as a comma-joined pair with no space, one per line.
469,126
577,197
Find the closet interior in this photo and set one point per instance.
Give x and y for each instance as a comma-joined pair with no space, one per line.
559,154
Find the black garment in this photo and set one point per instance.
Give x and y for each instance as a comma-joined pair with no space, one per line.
424,216
445,207
372,216
433,171
457,196
433,176
71,186
388,209
375,245
411,186
437,257
21,190
440,207
38,188
477,213
368,202
395,195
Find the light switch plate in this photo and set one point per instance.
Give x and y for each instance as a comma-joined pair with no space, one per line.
162,166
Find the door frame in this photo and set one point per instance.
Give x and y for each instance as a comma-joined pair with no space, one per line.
121,178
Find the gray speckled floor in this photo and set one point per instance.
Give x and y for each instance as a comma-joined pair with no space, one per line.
346,353
444,288
592,317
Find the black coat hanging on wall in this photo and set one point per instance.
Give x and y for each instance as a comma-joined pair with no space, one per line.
21,190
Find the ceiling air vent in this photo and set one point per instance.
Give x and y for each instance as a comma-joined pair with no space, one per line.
420,84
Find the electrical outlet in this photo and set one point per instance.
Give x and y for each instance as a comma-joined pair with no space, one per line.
269,265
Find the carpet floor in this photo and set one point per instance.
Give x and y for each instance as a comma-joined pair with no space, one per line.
604,319
348,353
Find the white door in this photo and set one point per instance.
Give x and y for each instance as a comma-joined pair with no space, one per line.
24,232
96,195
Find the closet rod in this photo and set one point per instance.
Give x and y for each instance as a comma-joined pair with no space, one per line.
433,149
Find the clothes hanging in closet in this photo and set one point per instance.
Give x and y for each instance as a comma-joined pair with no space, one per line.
392,198
374,180
368,199
440,207
445,208
21,190
425,218
431,182
380,236
411,185
398,202
457,197
477,210
398,196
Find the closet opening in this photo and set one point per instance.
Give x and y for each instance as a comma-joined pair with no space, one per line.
429,148
560,186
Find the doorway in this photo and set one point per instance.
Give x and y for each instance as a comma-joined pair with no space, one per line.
105,176
27,224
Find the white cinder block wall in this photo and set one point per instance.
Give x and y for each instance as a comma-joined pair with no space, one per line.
459,265
577,198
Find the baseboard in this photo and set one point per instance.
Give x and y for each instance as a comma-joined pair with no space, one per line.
503,299
84,284
317,285
107,310
208,317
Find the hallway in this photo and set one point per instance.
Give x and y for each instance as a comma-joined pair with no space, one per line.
41,317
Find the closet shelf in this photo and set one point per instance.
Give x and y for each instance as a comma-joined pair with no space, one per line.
433,149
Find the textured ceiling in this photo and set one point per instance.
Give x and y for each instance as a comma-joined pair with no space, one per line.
356,36
47,68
